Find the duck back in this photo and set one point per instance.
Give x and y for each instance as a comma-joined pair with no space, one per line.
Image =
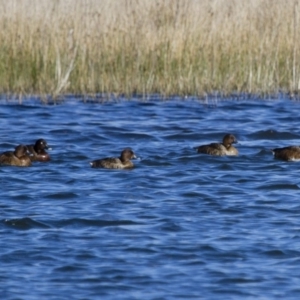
111,163
287,153
17,158
122,162
212,149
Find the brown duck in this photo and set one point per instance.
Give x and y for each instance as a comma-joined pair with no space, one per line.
37,151
19,157
220,149
287,153
122,162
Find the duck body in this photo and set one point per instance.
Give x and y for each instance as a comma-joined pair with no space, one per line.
289,153
38,152
220,149
18,158
122,162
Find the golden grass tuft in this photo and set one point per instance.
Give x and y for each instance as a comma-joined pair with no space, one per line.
183,47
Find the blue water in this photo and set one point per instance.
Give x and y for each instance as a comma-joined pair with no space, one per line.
180,225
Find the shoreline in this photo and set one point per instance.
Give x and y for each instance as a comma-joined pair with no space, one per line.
116,98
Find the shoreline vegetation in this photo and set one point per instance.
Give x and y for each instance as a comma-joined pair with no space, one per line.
168,47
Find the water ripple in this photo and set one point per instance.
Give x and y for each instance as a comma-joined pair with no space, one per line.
180,225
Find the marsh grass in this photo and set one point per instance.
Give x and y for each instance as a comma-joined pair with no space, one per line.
182,47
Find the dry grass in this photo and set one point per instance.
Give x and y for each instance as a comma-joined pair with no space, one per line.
141,46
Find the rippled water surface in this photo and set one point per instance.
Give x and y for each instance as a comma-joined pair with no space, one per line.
180,225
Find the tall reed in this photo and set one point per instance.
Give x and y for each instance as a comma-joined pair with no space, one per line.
178,47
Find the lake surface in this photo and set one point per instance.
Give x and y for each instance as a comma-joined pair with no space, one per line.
180,225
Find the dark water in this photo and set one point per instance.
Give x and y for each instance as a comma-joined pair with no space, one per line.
181,225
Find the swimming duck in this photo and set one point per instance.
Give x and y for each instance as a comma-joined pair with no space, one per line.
122,162
287,153
19,157
224,148
37,151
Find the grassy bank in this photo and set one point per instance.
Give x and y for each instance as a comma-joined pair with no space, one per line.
165,46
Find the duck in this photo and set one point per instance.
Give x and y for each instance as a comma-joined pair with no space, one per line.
122,162
288,153
37,151
220,149
19,157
